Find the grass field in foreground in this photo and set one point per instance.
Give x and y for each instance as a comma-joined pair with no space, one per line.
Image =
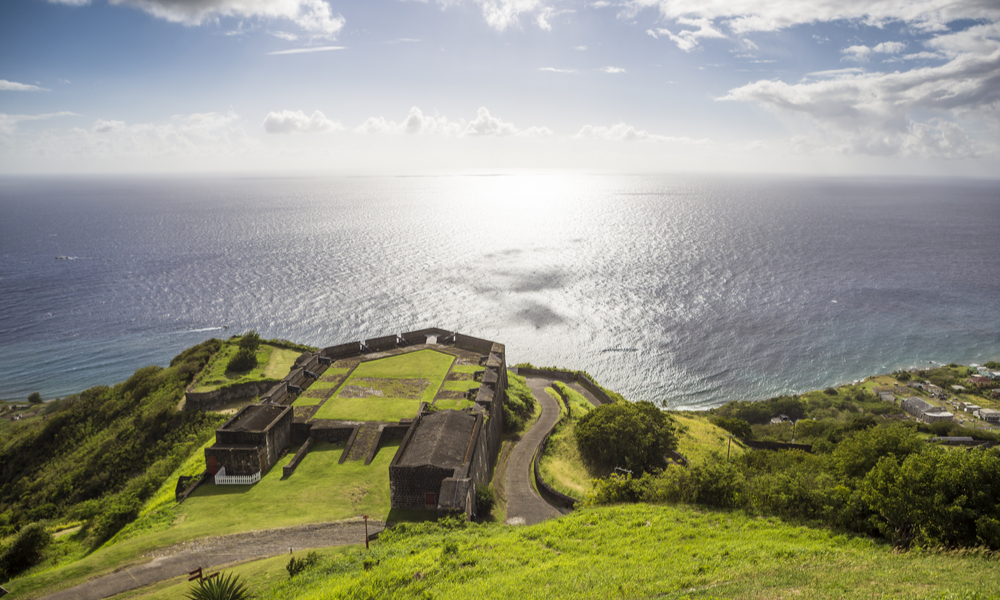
427,366
272,363
634,551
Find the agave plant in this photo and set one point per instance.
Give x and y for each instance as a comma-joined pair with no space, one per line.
222,587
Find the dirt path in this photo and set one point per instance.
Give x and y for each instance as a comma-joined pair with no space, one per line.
215,551
524,505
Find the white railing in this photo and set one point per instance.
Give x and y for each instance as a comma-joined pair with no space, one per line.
222,479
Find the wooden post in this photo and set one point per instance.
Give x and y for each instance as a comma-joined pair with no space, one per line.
365,517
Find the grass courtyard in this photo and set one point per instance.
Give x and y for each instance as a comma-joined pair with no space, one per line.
387,389
273,363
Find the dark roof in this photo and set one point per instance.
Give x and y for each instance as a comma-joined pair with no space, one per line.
440,439
255,417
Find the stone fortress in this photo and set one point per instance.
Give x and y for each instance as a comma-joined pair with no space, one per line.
447,446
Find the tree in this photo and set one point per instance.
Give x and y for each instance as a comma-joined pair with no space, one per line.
737,427
35,398
250,341
857,455
634,436
937,497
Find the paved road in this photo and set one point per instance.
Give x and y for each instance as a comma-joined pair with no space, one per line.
212,552
524,505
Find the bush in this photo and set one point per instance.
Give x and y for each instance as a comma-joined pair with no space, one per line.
35,398
830,391
244,360
485,500
250,341
634,436
25,551
737,427
223,587
296,566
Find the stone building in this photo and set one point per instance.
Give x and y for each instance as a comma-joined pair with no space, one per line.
251,442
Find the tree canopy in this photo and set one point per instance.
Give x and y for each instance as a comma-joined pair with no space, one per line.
631,435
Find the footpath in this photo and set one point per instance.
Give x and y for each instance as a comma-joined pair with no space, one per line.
524,505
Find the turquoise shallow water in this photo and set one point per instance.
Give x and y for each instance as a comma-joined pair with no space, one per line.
689,290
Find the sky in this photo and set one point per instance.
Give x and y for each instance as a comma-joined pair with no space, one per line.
830,87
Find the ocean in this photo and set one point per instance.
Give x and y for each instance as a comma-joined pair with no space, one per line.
686,290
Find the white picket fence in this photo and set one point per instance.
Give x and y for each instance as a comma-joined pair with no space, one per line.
222,479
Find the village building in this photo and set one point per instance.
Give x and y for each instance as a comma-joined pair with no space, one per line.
989,415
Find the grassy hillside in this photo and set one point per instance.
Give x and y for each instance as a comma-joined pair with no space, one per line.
636,551
93,459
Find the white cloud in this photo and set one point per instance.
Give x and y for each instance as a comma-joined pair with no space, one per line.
210,135
687,39
863,53
13,86
542,18
416,122
102,126
506,14
484,125
856,53
8,123
923,56
627,133
555,70
890,47
612,70
288,121
71,2
580,48
306,50
877,113
284,35
742,16
313,16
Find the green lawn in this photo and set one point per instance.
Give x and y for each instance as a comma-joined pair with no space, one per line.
272,363
472,369
319,490
388,389
453,403
461,386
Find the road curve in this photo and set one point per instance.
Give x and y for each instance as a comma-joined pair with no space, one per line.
524,505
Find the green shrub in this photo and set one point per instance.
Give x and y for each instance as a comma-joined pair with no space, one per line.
485,500
296,566
250,341
35,398
222,587
25,551
737,427
634,436
244,360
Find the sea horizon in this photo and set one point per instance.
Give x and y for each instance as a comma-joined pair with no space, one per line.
692,290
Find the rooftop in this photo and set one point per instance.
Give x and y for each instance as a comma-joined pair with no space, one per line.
440,439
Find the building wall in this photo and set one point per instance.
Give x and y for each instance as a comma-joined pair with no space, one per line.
411,484
205,401
237,461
